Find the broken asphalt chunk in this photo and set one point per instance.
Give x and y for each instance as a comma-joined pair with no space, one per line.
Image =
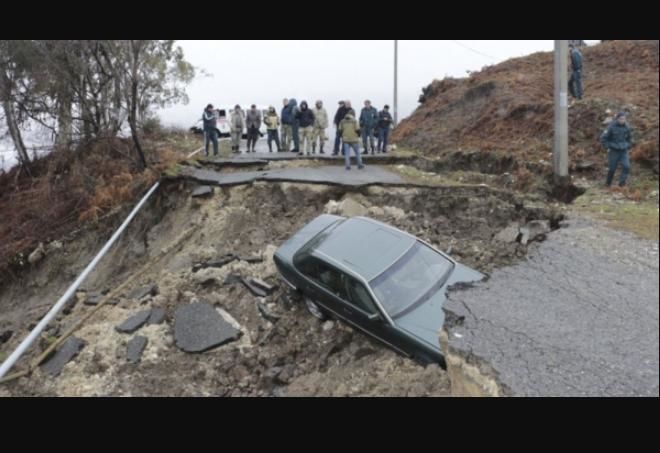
134,322
202,191
139,293
64,355
199,327
135,347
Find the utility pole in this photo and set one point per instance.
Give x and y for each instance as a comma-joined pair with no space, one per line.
560,154
396,58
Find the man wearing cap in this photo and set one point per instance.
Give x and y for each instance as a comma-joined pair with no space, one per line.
209,119
617,139
341,113
384,124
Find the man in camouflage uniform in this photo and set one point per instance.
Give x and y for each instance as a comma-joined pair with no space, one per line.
320,125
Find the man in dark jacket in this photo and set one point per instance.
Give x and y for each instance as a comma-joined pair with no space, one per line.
253,123
617,138
305,117
210,121
575,82
285,117
341,113
368,122
384,124
292,115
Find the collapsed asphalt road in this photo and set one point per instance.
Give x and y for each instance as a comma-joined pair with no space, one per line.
270,345
578,317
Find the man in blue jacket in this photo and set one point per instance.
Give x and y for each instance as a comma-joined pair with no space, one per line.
617,138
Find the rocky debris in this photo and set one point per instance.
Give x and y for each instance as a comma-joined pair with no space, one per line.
156,316
37,254
134,322
394,212
584,166
508,234
251,259
263,285
5,336
535,230
135,347
54,246
143,291
218,262
198,327
95,297
328,325
346,207
71,347
266,313
202,191
254,289
230,279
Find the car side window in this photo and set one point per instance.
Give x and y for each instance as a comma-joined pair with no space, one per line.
360,297
332,279
308,265
323,274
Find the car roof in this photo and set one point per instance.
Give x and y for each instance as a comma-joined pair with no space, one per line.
364,246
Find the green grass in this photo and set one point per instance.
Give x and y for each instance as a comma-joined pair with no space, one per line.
640,218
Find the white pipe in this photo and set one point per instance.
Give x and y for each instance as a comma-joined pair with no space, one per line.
6,366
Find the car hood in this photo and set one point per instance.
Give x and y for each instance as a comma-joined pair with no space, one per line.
426,319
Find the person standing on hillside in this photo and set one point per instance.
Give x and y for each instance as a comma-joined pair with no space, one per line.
618,140
575,82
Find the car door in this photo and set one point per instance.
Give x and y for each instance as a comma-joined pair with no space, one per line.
323,283
361,310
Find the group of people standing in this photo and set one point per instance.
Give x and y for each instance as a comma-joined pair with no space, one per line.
302,129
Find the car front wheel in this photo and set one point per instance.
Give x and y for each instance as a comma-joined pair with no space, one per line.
314,309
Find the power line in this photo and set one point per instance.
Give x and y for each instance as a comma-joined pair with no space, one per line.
473,50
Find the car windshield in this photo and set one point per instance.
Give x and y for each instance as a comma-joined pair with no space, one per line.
415,276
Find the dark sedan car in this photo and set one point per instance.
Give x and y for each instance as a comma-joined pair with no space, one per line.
381,280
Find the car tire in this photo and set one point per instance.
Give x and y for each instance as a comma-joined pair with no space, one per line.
314,309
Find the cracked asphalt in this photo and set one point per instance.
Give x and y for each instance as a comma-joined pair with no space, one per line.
578,317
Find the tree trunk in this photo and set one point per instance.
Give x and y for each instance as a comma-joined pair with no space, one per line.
132,120
64,122
14,131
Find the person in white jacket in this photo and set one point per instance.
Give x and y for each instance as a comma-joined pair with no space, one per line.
320,125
